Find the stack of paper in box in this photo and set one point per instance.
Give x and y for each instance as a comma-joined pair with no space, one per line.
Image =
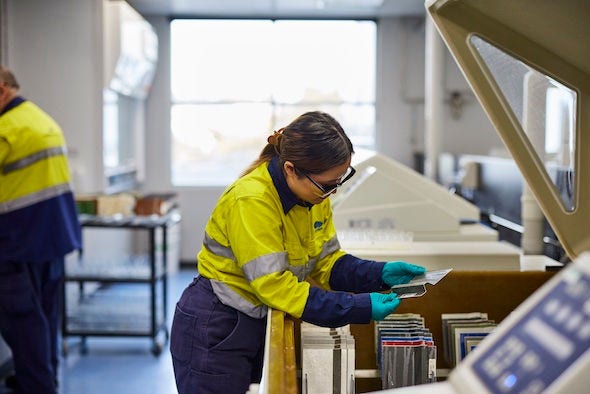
405,351
115,204
462,332
327,360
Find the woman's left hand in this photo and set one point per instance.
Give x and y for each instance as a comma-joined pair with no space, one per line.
398,272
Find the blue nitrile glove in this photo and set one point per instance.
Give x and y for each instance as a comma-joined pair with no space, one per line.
383,305
398,272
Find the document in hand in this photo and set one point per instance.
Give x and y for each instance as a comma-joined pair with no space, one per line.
417,286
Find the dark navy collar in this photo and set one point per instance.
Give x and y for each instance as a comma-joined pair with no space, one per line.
13,103
288,198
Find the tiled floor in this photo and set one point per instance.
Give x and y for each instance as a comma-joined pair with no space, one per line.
122,365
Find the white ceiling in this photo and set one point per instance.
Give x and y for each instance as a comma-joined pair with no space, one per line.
280,8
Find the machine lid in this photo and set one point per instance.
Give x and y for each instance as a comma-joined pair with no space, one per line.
528,63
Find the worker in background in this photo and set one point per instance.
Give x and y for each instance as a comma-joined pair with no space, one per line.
270,230
38,227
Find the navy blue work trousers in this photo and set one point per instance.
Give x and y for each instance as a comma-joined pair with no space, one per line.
30,305
215,348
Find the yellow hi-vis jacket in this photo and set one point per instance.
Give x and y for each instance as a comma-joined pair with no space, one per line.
260,245
38,218
35,167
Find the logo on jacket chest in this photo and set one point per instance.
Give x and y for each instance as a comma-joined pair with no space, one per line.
318,225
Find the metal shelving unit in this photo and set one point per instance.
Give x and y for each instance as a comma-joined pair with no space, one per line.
122,298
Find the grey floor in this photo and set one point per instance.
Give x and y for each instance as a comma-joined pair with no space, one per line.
121,365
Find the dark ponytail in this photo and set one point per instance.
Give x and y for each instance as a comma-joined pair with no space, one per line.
314,142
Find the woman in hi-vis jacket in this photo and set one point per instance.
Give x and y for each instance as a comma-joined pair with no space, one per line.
270,230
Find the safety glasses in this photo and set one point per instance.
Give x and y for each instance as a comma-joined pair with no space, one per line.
329,189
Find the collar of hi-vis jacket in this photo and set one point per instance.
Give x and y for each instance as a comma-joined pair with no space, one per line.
288,198
13,103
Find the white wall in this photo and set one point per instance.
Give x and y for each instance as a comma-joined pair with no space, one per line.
55,49
400,97
396,117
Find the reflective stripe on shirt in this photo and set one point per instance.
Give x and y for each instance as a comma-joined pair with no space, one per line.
34,198
264,265
260,266
329,247
230,298
271,263
216,248
33,158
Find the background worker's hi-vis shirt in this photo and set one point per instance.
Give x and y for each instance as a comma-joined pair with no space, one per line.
38,218
261,244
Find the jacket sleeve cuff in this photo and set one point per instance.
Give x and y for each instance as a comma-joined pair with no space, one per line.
336,308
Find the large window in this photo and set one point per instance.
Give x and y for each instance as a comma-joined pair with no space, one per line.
234,81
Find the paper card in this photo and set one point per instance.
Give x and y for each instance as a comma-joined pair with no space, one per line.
417,286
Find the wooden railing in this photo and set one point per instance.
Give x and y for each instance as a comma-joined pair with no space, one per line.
280,375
